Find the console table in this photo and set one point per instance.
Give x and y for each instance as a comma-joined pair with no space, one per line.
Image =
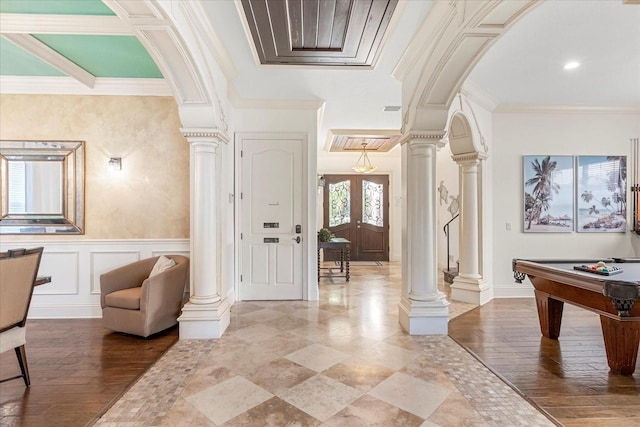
344,246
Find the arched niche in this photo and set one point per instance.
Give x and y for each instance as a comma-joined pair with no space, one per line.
460,135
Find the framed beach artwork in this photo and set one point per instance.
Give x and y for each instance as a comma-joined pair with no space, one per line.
548,194
601,194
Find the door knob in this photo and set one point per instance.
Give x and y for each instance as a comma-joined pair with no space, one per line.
297,239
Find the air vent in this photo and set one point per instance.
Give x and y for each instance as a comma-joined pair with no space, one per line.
392,108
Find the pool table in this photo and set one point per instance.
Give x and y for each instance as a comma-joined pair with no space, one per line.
614,298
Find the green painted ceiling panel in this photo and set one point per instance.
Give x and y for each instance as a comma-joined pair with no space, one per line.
57,7
16,62
104,56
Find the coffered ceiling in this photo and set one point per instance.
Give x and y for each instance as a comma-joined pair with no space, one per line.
344,140
81,39
318,32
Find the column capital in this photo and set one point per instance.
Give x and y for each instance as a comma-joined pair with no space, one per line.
469,158
213,135
424,136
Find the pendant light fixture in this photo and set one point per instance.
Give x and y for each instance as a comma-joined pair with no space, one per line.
363,165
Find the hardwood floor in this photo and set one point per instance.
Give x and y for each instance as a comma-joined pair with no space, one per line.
569,378
78,370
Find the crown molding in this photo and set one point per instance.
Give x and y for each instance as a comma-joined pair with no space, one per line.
563,109
68,86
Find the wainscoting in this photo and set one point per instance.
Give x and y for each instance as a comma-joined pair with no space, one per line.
75,268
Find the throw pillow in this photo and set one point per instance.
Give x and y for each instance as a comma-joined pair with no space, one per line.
161,265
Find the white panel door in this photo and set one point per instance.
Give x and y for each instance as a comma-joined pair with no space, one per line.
271,219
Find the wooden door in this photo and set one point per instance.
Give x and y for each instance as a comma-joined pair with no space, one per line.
356,207
271,218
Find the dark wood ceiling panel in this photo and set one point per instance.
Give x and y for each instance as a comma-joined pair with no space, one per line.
340,21
318,32
382,143
326,17
276,26
310,24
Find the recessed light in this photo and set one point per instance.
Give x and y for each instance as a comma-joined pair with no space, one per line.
571,65
392,108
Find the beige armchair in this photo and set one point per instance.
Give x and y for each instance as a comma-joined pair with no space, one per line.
18,271
134,303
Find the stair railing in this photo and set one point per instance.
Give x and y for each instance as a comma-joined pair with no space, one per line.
446,233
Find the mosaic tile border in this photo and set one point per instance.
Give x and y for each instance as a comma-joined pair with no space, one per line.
153,395
495,400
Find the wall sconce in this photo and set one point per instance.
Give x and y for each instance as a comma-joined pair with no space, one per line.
321,181
115,163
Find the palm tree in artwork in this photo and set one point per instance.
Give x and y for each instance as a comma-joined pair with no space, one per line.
541,204
593,210
617,199
587,196
543,186
618,180
606,202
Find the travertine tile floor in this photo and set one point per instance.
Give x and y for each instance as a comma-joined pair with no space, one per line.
340,361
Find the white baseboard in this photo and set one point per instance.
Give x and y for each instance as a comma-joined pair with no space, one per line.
516,291
65,312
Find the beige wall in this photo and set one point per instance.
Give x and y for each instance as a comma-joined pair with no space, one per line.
149,198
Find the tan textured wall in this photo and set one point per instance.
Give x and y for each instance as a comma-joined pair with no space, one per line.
149,198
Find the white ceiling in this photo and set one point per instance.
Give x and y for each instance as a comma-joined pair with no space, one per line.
524,67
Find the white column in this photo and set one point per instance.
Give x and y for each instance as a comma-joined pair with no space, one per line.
423,309
206,315
469,286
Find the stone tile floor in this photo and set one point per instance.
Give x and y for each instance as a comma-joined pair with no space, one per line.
340,361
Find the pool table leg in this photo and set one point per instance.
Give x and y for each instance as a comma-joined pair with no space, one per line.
621,340
549,314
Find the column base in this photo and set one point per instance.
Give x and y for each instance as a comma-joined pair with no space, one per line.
472,291
204,321
424,317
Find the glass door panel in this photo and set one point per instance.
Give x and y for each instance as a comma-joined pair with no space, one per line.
356,208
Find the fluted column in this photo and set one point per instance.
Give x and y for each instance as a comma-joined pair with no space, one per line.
423,309
469,286
206,315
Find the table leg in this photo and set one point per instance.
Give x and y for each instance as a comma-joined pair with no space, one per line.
621,340
348,258
318,264
341,260
549,314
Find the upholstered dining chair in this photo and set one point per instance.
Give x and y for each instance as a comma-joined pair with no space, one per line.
18,272
144,297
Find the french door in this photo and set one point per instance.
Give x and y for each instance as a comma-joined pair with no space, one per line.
356,207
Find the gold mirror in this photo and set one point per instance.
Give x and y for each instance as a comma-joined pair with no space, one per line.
42,187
